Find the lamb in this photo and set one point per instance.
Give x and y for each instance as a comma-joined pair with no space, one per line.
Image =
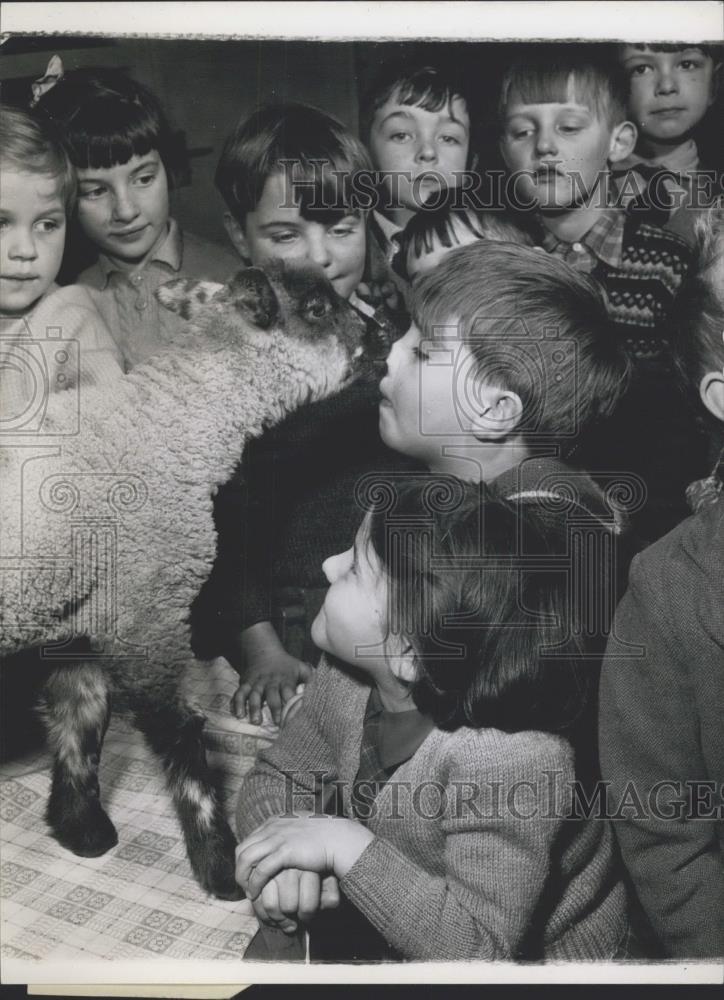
108,530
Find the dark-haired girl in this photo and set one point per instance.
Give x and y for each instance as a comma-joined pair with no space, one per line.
120,144
459,668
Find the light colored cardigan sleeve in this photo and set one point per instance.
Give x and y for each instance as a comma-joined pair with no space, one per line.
494,866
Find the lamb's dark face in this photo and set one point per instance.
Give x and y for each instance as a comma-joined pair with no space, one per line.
291,313
298,301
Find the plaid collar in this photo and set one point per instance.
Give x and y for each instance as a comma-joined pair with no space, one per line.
604,239
170,252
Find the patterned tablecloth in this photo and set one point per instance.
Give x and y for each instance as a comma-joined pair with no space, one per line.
139,900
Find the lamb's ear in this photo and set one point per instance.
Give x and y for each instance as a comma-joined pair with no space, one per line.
251,293
186,296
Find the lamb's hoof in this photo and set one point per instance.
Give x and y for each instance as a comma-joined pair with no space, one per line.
219,877
214,862
88,833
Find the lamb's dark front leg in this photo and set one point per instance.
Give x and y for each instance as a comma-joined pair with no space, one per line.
175,732
75,707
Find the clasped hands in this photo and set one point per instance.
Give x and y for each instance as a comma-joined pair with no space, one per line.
291,868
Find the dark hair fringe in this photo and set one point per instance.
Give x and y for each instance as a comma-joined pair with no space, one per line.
429,87
316,151
107,118
517,667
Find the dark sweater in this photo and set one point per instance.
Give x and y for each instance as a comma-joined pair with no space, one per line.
662,706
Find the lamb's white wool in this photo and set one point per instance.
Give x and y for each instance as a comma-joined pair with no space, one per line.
107,528
110,526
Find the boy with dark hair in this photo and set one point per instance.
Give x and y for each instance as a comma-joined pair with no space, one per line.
662,688
417,124
672,86
286,174
563,119
432,233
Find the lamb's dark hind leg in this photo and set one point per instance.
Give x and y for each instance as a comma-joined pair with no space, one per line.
174,732
75,707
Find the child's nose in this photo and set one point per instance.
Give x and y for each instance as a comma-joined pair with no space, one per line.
21,245
334,565
392,357
546,143
426,151
666,82
125,208
318,250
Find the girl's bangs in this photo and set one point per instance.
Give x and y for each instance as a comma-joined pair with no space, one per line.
103,139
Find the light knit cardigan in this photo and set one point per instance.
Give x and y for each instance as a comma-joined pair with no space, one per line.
475,881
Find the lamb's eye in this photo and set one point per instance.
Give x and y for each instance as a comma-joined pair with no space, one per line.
317,308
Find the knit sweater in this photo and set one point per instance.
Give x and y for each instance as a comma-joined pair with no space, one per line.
662,712
451,874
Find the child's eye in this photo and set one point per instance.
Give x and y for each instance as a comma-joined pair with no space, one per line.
47,225
145,179
341,230
450,140
640,69
689,64
521,132
283,237
399,136
420,354
570,129
94,192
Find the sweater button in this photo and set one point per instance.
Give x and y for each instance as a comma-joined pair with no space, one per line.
141,304
578,247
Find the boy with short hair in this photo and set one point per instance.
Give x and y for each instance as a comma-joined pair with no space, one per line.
563,117
662,688
417,124
498,380
672,86
286,175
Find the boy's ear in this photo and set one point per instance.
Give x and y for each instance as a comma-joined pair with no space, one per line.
623,141
711,390
500,412
235,233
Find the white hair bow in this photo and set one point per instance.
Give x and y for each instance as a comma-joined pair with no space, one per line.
53,73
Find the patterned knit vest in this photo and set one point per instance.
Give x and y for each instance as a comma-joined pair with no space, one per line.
640,292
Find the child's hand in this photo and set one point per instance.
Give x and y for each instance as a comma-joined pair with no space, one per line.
294,897
313,843
269,674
